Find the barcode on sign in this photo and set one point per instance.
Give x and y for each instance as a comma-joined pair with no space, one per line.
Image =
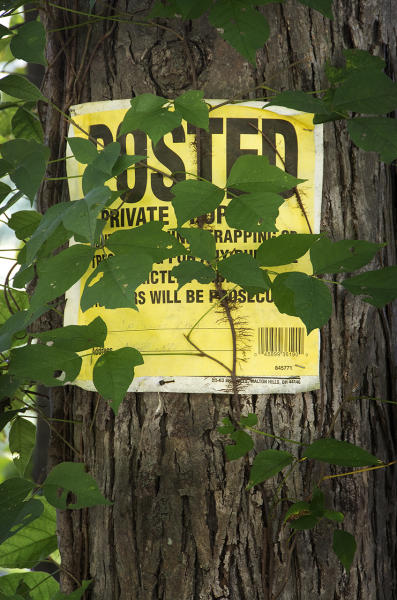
281,339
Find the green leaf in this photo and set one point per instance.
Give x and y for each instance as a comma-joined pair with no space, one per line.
187,9
299,295
10,202
33,543
379,287
14,512
195,198
341,257
19,87
4,190
254,212
8,387
344,545
71,478
267,464
243,445
100,169
77,337
58,273
22,441
305,522
39,584
83,150
334,515
125,161
299,508
29,43
24,223
76,595
369,91
81,218
28,160
317,503
148,115
375,134
148,239
26,125
244,270
120,276
243,27
17,323
113,372
227,427
299,100
252,173
249,420
48,225
40,363
323,6
192,108
361,59
189,270
337,452
201,241
285,249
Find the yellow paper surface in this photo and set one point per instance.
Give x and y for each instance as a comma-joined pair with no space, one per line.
274,352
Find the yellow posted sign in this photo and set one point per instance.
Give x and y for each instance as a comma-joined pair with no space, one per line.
275,353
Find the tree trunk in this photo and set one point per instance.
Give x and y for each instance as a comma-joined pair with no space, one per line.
182,526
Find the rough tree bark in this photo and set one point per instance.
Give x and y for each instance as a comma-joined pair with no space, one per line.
182,526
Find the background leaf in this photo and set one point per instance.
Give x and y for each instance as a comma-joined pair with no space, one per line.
19,87
33,543
26,125
113,373
22,439
323,6
40,585
24,223
27,160
71,478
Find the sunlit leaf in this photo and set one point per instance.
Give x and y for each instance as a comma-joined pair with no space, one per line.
26,125
19,87
39,584
22,439
33,543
